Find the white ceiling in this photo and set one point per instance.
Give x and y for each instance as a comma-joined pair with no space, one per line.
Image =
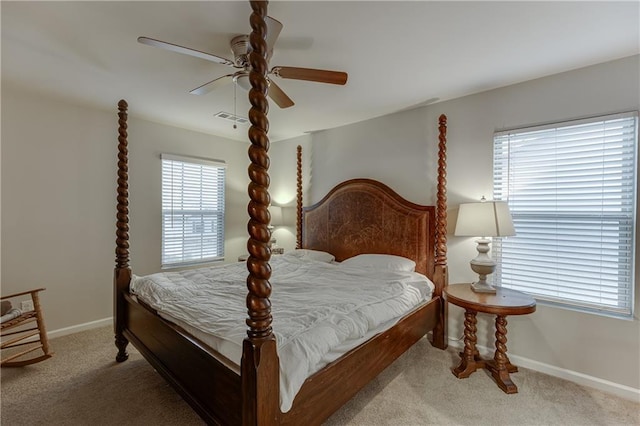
398,54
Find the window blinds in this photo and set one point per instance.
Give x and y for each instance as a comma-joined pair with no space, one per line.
571,191
192,210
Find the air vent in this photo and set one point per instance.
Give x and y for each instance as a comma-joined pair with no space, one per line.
236,119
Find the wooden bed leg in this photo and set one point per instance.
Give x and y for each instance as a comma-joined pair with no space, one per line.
121,284
121,344
440,336
260,383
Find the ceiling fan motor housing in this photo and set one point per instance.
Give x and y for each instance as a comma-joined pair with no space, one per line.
240,47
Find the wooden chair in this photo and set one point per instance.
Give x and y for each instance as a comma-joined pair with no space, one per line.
20,328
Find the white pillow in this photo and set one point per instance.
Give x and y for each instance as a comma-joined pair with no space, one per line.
381,261
320,256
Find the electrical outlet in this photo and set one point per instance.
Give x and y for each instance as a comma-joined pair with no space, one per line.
26,305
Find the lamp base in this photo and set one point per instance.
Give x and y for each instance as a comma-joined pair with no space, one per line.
483,287
483,265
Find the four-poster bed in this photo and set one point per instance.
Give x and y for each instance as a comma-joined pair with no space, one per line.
360,216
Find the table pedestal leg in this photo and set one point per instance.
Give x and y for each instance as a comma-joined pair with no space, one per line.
471,360
500,367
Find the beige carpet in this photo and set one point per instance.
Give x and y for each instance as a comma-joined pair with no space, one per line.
83,385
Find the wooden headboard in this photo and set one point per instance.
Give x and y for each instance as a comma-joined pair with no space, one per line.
366,216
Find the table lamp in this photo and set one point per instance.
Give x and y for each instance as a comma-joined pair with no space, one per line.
276,220
276,216
484,219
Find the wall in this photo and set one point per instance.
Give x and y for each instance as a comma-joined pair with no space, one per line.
398,149
59,194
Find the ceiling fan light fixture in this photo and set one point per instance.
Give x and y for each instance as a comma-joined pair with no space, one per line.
242,80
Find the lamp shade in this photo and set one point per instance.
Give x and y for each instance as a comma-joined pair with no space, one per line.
289,217
484,219
276,215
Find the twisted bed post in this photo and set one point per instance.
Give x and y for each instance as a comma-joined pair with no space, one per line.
259,366
441,274
122,272
299,198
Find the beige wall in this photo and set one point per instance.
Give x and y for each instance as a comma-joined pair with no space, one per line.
398,149
59,194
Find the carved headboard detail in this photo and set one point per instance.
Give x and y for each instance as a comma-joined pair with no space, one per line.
365,216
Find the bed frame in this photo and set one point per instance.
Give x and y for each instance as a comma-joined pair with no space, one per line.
357,216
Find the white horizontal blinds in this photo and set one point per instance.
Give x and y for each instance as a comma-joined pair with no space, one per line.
192,210
571,191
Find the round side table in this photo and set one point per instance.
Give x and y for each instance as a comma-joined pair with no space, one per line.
501,304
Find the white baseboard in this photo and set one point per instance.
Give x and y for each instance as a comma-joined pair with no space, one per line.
626,392
80,327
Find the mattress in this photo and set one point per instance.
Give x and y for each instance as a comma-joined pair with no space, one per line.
320,310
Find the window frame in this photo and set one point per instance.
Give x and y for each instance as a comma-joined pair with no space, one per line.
504,192
194,244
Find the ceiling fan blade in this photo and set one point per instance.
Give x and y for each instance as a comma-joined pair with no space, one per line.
184,50
278,96
273,31
309,74
213,84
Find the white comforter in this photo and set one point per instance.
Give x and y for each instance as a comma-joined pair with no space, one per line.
320,310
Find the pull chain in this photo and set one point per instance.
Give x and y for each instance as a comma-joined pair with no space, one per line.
235,115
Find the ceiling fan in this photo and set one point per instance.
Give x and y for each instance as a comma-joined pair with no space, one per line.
240,47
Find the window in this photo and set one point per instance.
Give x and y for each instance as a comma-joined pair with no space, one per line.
192,210
571,191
